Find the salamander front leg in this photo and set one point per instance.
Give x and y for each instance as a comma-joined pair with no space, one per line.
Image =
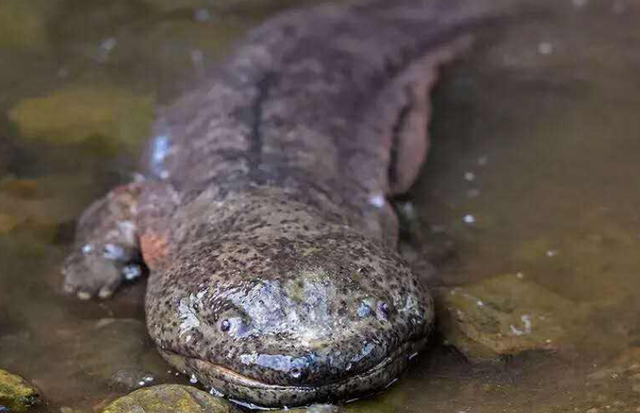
106,251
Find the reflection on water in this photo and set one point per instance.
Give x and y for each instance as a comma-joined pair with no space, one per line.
534,169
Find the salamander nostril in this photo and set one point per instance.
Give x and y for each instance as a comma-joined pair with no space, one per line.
384,309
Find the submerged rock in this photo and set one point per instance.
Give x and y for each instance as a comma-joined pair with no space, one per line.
170,398
23,24
123,343
39,207
15,393
78,113
503,315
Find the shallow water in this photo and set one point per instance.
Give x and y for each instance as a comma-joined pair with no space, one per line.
533,170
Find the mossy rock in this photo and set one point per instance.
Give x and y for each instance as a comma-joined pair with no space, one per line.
503,315
170,398
79,112
15,393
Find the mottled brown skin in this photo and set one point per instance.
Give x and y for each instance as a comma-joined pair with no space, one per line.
262,215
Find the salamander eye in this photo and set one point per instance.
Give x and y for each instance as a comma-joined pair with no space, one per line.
225,325
233,325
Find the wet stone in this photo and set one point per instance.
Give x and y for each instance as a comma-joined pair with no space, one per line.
503,315
16,394
115,117
170,398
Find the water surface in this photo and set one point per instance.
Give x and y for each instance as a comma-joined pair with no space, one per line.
534,169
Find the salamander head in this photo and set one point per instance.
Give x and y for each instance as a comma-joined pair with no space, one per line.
287,309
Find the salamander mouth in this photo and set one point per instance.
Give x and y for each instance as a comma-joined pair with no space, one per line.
256,394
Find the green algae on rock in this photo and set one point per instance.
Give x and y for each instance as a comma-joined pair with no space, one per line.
15,393
503,315
170,397
78,113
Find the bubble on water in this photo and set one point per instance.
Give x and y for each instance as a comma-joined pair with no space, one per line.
377,200
113,251
215,392
469,219
473,193
545,48
193,379
131,272
526,321
202,15
106,47
469,176
618,7
87,248
482,161
552,253
109,44
197,59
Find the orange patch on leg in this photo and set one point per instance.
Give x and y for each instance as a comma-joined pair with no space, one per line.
154,247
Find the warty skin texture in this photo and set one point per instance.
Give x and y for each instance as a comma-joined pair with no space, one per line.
262,215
